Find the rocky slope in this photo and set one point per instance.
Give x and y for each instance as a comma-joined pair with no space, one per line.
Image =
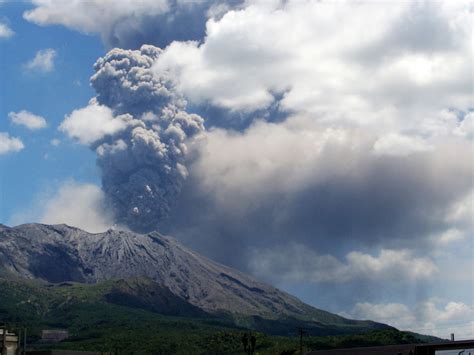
164,272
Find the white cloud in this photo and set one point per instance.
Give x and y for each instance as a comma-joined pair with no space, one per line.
43,61
392,262
27,119
5,31
398,145
428,317
397,72
92,16
9,144
92,123
466,127
55,142
460,219
461,211
79,205
390,266
448,237
395,314
131,23
75,204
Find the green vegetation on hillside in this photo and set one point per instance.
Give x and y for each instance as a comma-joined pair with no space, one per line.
96,324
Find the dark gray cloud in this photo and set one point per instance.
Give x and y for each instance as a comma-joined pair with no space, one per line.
123,81
325,189
141,143
184,21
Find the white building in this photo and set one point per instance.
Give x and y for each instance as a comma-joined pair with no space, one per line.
9,342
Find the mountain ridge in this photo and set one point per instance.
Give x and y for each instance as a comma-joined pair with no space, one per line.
155,270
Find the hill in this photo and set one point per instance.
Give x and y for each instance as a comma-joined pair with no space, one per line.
121,290
97,322
156,273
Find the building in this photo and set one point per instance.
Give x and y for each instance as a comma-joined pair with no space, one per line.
10,342
54,335
404,349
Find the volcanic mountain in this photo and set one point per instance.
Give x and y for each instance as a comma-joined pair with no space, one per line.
158,274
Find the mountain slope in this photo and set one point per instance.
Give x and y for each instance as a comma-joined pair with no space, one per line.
96,324
158,274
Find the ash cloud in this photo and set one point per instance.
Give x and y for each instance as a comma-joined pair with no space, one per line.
128,23
143,162
363,168
355,145
328,189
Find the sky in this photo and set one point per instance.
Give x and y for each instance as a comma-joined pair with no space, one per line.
325,147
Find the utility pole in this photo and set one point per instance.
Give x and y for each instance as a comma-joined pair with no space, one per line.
24,342
301,331
18,342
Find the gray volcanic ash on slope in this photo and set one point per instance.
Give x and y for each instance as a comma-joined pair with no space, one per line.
60,253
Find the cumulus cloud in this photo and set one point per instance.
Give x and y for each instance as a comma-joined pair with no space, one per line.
95,16
139,129
28,120
43,61
9,144
5,31
92,123
427,317
308,266
79,205
129,23
397,72
76,204
90,16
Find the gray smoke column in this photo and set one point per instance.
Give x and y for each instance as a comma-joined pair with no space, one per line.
143,165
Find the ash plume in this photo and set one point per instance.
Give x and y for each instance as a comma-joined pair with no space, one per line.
143,161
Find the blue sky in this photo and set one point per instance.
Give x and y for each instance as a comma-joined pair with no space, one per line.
51,95
333,160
